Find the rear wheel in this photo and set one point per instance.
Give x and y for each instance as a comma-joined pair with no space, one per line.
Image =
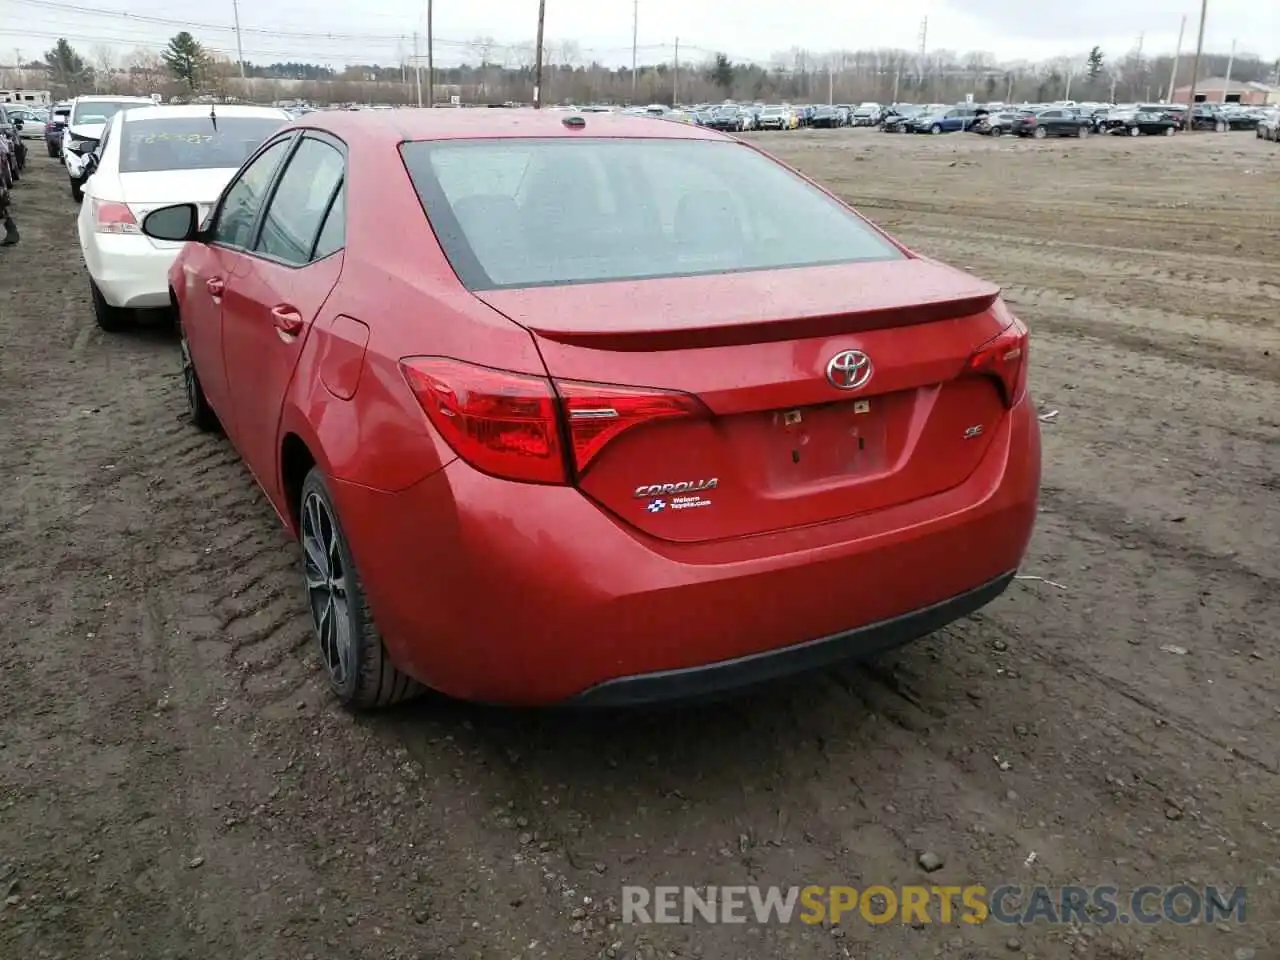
356,664
935,129
112,319
77,190
1083,132
1040,133
1135,132
1169,131
198,409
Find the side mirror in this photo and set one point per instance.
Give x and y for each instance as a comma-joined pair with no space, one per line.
178,223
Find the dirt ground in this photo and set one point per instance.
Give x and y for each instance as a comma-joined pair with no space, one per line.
176,783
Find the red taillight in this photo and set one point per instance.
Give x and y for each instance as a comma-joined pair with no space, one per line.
502,423
599,412
1004,358
111,217
510,425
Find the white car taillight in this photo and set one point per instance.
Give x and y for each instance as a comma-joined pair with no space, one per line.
109,217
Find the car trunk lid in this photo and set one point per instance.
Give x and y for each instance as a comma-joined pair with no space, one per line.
780,446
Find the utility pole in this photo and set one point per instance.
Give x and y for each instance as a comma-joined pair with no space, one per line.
235,10
635,35
431,63
897,78
1008,96
1231,62
1177,52
1071,74
675,78
831,84
417,68
1195,64
537,57
924,40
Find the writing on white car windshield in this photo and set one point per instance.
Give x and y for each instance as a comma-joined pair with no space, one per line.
191,143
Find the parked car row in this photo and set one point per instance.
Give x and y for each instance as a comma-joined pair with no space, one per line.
12,128
1071,120
13,159
744,117
477,359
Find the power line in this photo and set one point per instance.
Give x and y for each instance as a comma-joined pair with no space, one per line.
80,10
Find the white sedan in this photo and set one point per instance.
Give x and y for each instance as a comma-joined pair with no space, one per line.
151,157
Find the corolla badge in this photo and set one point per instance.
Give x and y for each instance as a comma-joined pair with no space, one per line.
849,370
670,489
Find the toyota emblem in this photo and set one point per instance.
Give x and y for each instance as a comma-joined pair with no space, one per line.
849,370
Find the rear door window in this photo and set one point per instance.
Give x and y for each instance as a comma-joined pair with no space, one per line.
241,204
301,201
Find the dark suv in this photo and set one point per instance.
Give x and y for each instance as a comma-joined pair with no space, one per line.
56,125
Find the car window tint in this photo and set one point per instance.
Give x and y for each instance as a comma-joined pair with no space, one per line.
522,212
294,215
243,200
333,235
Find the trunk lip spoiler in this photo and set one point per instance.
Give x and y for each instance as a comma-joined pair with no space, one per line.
772,330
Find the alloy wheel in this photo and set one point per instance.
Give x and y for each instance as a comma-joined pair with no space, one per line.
188,374
326,579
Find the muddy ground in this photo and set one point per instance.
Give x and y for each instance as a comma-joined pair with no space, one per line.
175,782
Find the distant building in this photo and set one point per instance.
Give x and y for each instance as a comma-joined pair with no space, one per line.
39,98
1212,90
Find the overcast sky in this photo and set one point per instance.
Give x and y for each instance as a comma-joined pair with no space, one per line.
277,30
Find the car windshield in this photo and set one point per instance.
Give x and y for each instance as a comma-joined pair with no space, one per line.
100,111
519,213
191,143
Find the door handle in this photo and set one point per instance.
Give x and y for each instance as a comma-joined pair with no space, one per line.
215,286
287,320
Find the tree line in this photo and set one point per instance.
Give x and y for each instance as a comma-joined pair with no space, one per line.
186,68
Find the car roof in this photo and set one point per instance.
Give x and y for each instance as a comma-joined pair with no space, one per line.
203,110
108,98
396,126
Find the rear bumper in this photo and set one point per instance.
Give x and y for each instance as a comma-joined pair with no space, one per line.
522,594
727,675
129,270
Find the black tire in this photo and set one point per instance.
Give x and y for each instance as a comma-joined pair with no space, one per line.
1040,133
1083,133
1169,131
53,151
1135,132
368,678
111,319
77,190
996,131
198,409
935,129
1219,127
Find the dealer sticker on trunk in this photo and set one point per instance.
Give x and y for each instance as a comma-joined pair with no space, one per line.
677,503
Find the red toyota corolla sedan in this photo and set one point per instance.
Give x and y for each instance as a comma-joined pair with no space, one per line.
600,410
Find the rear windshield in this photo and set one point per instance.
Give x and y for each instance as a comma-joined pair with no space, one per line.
100,111
191,143
530,212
